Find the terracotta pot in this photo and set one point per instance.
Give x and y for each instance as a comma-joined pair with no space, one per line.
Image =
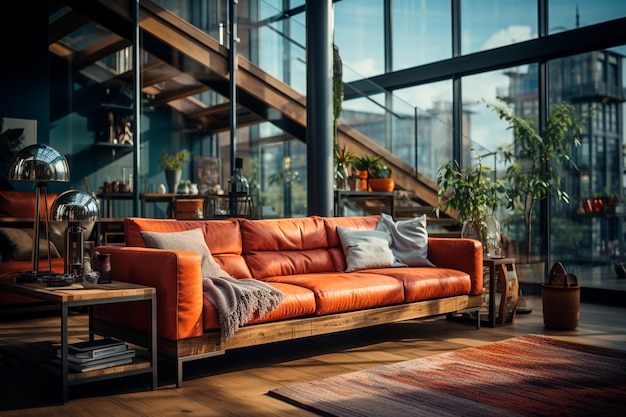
382,184
361,180
561,306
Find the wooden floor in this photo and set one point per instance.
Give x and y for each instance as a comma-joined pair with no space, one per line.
236,384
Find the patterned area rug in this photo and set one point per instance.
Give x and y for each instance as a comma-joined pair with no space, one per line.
525,376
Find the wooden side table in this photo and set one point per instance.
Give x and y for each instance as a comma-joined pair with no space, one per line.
501,273
41,355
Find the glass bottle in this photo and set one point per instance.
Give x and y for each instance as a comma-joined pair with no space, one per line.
238,189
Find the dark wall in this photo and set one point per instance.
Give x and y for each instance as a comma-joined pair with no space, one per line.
24,87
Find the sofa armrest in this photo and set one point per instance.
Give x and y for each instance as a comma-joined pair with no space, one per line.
461,254
177,277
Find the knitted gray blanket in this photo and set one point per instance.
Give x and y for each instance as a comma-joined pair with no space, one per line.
236,300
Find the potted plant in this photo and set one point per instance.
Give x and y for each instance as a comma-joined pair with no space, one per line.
471,192
534,158
379,176
361,166
172,164
183,187
343,159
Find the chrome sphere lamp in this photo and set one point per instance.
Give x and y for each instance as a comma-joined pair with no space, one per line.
75,207
40,164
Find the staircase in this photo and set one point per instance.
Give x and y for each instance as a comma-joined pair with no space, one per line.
184,61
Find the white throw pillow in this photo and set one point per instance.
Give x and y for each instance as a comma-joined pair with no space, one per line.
409,239
190,240
365,248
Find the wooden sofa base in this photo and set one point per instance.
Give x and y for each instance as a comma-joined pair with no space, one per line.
208,344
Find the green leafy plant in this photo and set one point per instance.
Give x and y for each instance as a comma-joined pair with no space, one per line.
338,94
378,169
343,156
174,161
534,158
470,191
365,162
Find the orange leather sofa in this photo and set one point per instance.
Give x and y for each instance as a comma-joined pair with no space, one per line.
303,258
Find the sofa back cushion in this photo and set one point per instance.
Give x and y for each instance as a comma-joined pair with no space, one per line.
21,204
334,243
276,247
223,238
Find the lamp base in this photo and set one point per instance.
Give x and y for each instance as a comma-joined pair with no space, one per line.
32,276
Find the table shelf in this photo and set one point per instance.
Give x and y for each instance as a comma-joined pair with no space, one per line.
42,354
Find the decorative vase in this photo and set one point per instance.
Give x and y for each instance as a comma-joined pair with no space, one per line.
382,184
475,229
561,306
173,177
341,177
101,262
193,189
493,238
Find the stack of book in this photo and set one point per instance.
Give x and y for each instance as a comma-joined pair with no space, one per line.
97,354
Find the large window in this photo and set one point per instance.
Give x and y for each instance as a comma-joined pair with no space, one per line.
568,14
422,32
488,24
432,146
359,34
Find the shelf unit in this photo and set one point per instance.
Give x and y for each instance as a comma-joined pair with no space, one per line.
42,354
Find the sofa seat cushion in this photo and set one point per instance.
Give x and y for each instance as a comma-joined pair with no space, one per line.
347,291
427,283
298,302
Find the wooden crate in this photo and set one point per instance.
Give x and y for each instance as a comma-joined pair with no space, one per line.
188,209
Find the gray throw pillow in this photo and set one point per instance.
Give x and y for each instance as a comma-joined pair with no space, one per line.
189,240
409,239
365,248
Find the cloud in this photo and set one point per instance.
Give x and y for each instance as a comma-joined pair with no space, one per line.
510,35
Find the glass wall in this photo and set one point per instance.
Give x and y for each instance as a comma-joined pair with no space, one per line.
488,24
421,32
565,14
360,36
432,146
416,92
